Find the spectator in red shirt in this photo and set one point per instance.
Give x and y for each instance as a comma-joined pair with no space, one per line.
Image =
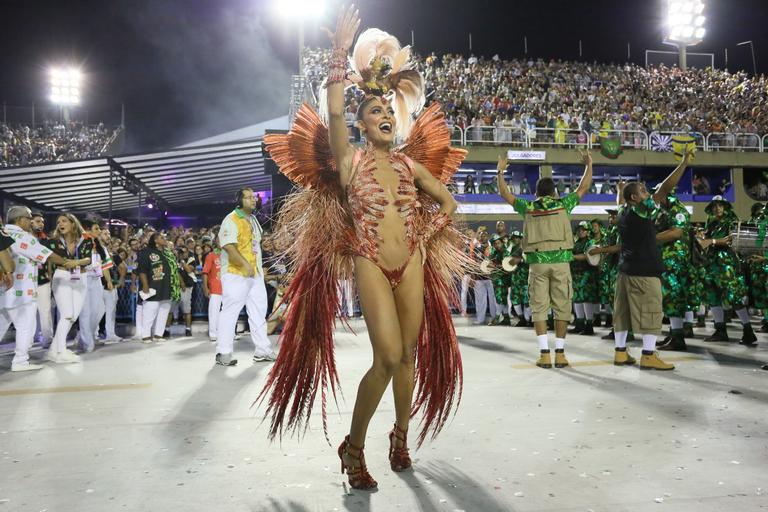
212,290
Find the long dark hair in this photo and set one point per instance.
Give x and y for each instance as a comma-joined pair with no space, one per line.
152,242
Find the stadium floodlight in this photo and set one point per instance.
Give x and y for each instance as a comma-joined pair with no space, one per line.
300,9
685,22
65,86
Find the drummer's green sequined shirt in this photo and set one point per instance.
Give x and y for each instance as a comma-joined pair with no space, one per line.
523,207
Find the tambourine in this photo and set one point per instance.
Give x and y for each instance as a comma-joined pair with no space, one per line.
593,259
508,265
485,266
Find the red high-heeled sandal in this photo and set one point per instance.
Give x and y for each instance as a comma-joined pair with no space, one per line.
399,459
358,476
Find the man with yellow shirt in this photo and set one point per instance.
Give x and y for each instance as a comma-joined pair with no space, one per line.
242,281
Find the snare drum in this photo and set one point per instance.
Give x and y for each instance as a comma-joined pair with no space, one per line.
744,239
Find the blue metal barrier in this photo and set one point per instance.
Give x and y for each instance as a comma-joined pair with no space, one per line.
126,303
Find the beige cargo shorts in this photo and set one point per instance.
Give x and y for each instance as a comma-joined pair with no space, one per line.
637,305
550,285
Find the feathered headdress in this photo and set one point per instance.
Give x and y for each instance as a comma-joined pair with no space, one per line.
380,67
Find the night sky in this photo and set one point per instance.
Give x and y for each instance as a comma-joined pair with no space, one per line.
187,69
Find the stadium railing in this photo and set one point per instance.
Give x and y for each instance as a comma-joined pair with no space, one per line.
630,139
553,137
493,135
457,135
720,141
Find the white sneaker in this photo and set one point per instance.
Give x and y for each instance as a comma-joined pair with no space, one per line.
71,357
213,339
25,367
113,341
62,357
272,356
147,341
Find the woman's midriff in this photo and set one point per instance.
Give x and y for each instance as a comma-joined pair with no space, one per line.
393,246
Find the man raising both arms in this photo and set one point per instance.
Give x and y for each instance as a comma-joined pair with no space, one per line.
638,300
548,245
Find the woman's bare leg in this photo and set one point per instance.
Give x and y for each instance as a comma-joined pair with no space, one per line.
409,299
380,312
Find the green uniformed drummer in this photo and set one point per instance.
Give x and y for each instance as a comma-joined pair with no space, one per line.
757,266
724,279
585,282
609,270
548,245
500,279
674,236
519,287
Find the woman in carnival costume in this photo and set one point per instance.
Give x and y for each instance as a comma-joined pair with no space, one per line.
380,213
724,279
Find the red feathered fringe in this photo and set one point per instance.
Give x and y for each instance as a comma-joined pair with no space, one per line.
305,363
439,375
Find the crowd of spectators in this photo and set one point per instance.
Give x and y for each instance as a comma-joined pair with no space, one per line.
118,263
49,142
526,95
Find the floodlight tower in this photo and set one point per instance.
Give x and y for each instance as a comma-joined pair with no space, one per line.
685,25
300,11
65,89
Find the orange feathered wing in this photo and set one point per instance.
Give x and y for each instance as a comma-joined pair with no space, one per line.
429,143
439,375
304,153
312,235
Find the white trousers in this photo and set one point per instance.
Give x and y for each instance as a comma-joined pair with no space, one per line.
484,298
93,310
139,319
239,291
44,332
154,313
464,292
346,296
214,311
110,310
69,296
24,320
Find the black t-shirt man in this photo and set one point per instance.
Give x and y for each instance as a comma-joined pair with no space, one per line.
640,253
151,262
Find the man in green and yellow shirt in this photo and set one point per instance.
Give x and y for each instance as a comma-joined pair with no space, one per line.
548,245
242,281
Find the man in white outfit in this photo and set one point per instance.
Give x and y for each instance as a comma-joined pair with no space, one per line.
154,272
242,281
18,303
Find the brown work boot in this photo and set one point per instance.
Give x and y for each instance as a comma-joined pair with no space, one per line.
560,360
623,358
651,361
545,360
